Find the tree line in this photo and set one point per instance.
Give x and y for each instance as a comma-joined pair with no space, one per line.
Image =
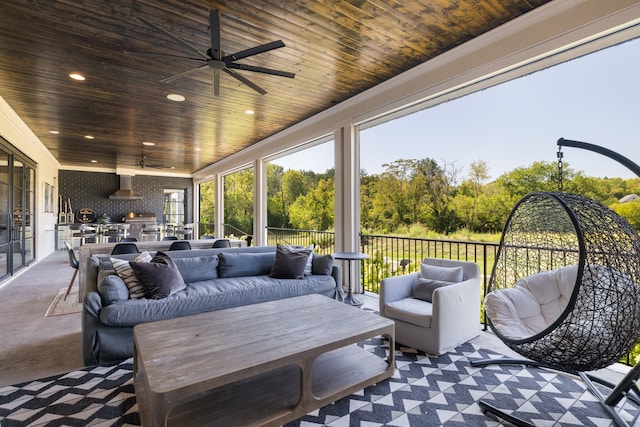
412,192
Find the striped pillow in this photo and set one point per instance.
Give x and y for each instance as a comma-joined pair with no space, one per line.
125,272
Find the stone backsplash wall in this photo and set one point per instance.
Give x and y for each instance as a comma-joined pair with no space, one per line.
92,189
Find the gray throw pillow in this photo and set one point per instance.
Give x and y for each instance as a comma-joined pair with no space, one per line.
448,274
425,287
160,277
124,271
245,264
322,265
197,269
290,262
112,289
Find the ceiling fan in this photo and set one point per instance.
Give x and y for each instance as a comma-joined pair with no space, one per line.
215,59
143,164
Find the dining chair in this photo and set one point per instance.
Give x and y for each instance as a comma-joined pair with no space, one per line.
221,243
180,245
73,261
125,248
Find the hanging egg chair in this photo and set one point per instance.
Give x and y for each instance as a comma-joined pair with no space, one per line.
565,283
564,292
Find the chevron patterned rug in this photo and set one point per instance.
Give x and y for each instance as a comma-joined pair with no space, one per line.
424,391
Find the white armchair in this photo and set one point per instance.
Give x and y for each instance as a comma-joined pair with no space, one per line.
452,318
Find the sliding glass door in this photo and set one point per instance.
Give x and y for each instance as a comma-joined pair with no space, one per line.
17,206
23,203
5,217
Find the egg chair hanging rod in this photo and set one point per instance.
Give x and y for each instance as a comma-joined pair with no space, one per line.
600,150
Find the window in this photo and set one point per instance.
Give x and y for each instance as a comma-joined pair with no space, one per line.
174,206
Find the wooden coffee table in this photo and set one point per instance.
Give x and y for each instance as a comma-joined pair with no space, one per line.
261,364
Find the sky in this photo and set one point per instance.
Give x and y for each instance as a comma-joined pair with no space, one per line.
594,99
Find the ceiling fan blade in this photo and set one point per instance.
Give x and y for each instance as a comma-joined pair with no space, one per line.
183,74
253,51
214,30
168,55
246,67
216,81
246,81
178,39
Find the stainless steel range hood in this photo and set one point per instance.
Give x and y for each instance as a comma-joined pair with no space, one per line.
125,192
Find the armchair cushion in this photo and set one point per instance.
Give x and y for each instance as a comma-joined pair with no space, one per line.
425,287
448,274
411,310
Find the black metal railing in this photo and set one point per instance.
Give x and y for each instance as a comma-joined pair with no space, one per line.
228,230
394,255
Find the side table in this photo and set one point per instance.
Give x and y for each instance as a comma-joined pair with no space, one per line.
350,257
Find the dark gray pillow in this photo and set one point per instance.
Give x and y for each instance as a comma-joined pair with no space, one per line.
112,289
290,262
425,287
322,265
245,264
160,277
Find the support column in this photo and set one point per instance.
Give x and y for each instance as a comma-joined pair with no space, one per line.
219,206
347,182
259,202
347,201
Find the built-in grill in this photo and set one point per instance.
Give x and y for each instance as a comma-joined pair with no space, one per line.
143,226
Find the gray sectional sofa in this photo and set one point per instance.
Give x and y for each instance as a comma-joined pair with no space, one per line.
215,279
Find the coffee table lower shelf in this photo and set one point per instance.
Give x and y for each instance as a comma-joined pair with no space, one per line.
276,397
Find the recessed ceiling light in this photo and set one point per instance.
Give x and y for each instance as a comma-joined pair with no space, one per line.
54,132
94,161
175,97
197,149
149,144
77,76
250,112
173,167
89,136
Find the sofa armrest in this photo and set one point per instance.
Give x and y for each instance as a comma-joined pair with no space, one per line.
336,273
396,288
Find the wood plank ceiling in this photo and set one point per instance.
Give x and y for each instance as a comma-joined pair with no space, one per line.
336,49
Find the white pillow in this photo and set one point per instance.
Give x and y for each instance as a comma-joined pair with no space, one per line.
125,272
446,274
308,265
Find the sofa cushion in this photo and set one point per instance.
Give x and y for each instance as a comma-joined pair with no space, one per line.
199,268
410,310
216,294
290,262
322,264
160,277
245,264
124,271
112,289
425,287
448,274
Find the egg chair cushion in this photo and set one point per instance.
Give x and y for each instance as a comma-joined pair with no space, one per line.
532,304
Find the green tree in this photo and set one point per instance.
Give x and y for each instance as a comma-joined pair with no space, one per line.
540,176
629,211
207,202
314,210
238,200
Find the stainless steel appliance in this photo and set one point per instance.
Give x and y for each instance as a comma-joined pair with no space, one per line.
143,226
